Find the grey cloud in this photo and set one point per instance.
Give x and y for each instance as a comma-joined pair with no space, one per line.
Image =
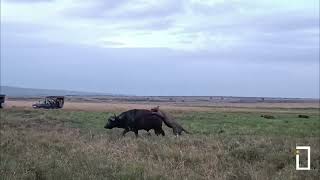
24,28
127,70
277,22
154,25
169,9
284,22
94,9
152,18
257,53
224,9
112,43
103,10
279,49
29,1
281,32
257,15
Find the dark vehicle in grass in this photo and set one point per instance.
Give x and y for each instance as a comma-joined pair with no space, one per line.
50,102
2,99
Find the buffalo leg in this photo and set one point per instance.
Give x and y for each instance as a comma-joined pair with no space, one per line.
175,131
125,131
136,133
162,132
159,131
156,132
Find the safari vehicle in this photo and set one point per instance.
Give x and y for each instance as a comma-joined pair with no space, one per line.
2,99
50,102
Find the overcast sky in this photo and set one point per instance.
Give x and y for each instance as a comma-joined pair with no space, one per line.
168,47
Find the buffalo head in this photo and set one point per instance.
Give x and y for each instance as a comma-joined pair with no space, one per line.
113,121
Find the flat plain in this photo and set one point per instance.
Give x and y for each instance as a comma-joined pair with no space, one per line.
228,141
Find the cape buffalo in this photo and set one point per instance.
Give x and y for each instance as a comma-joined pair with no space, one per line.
135,120
169,121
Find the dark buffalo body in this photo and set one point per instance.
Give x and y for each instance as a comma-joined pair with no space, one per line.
135,120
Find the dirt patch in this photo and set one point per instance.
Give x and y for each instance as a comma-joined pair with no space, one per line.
230,107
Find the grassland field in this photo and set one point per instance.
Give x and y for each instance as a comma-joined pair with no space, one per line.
72,144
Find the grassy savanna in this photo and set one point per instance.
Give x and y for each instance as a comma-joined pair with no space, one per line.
59,144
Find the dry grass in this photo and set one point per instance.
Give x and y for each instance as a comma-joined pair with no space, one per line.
217,107
60,145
